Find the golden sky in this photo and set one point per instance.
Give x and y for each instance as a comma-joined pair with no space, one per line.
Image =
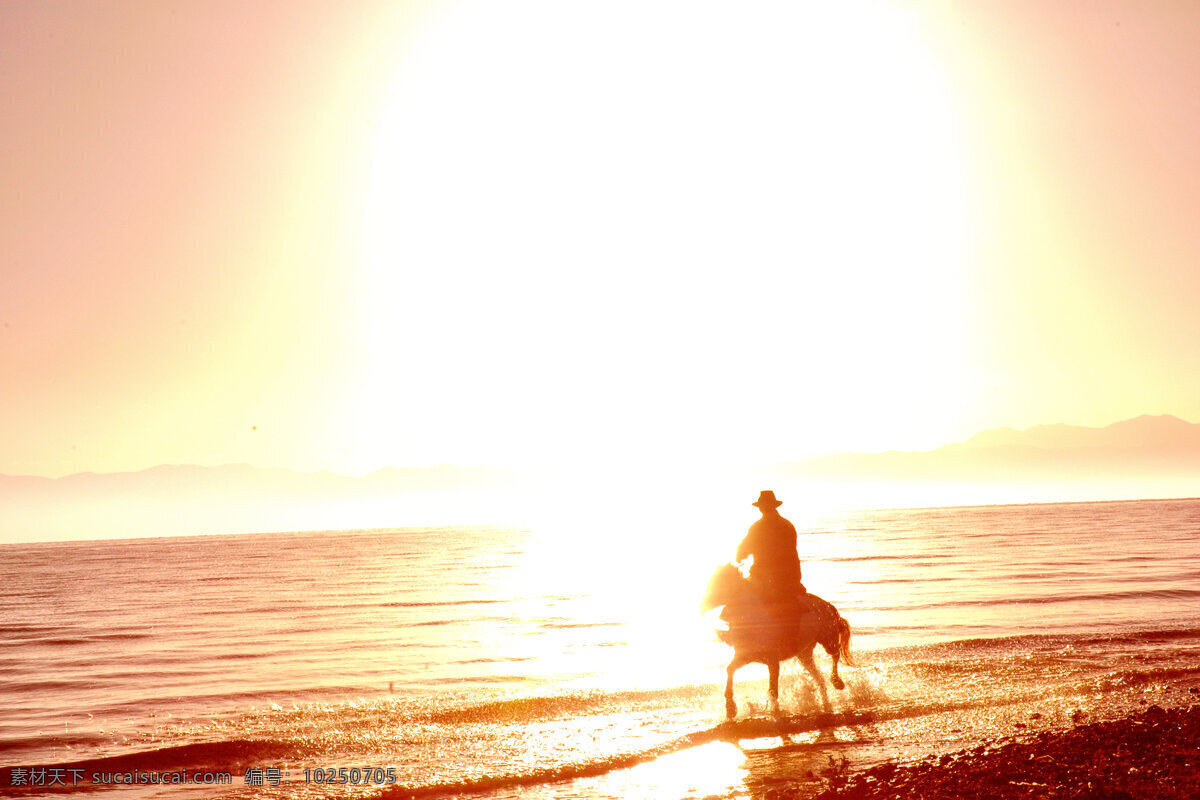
348,235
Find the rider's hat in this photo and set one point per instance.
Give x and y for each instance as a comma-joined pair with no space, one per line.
766,499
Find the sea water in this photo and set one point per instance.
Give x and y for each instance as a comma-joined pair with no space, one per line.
547,662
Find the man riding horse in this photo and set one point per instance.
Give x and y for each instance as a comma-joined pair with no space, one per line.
770,616
775,572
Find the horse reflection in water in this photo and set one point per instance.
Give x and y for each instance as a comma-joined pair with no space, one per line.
758,636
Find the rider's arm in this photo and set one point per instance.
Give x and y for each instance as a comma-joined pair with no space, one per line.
745,548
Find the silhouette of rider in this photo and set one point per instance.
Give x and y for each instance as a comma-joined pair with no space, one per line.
776,568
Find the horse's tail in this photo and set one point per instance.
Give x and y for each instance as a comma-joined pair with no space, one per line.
843,640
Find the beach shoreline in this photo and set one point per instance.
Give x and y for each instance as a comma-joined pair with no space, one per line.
1151,753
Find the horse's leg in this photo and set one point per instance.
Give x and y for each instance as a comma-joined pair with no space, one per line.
773,667
834,678
832,645
734,666
806,658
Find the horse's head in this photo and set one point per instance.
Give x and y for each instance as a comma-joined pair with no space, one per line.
723,587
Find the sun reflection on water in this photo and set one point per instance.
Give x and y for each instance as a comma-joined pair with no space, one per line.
710,770
635,590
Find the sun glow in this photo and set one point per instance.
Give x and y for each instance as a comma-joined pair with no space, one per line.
644,576
568,229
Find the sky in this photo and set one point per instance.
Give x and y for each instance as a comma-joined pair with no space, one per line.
342,236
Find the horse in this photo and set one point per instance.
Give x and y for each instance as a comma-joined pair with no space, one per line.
757,638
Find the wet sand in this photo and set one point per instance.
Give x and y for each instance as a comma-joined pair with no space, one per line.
1151,754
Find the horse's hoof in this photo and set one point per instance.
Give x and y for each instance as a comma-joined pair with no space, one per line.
730,709
838,683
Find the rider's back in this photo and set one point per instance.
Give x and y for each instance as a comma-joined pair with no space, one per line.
772,542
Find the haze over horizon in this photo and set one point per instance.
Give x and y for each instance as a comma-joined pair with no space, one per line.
1142,458
320,237
1045,435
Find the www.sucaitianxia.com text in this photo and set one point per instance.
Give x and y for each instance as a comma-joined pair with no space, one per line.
72,776
48,777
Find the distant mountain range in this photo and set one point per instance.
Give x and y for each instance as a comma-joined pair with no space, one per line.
244,479
1150,456
190,499
1146,447
1165,432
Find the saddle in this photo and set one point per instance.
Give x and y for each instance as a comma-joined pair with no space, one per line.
774,619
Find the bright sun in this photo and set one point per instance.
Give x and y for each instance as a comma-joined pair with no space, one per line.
676,229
